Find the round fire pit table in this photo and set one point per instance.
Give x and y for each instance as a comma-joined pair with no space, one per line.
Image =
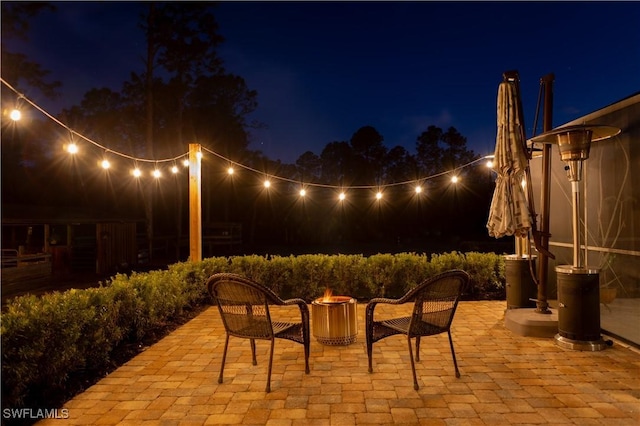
334,320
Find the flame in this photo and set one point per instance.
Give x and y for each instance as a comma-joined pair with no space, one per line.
328,296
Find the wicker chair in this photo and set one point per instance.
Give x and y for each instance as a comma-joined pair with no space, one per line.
244,309
435,302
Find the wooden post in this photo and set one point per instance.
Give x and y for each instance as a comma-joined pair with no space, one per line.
47,237
195,203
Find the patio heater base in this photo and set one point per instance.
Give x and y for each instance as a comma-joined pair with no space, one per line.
579,309
529,323
582,345
521,289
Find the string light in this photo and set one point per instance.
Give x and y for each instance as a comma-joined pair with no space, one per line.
72,148
105,164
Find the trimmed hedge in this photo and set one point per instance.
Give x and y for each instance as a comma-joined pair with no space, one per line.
48,339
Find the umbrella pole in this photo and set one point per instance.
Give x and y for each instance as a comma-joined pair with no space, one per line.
542,305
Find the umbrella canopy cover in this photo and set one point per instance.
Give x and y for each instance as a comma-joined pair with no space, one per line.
509,213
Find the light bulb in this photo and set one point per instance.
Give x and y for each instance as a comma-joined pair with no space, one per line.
303,192
454,179
105,164
490,164
342,196
379,195
72,148
185,162
418,189
230,170
15,115
136,172
156,173
174,170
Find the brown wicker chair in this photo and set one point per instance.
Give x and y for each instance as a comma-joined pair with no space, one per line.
435,302
244,309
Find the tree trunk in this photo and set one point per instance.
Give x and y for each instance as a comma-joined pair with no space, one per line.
148,199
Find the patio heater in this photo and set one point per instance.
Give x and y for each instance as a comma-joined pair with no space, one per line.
578,284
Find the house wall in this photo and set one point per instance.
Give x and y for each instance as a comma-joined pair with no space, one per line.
611,211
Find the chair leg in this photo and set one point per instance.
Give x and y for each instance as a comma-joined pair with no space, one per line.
253,351
306,356
268,389
307,344
413,365
370,353
453,354
224,358
418,348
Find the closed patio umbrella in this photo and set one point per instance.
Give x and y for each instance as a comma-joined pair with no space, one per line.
509,213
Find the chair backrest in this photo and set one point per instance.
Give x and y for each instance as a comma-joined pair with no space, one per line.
243,306
436,300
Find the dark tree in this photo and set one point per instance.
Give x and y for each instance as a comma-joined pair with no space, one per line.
337,160
399,165
26,146
16,67
369,155
428,151
309,167
181,94
455,153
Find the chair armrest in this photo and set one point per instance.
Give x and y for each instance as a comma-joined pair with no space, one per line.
296,301
377,300
304,309
374,302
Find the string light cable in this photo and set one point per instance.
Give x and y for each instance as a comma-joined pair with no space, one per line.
340,187
85,138
232,164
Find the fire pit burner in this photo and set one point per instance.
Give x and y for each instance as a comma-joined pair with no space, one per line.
334,320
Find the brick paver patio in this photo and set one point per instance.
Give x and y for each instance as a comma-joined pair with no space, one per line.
505,379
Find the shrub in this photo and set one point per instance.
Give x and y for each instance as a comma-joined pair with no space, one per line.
349,276
446,261
487,273
409,270
278,276
379,273
310,276
43,341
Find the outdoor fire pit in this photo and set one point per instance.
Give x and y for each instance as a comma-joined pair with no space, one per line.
334,319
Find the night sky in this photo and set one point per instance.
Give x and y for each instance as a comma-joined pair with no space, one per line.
324,69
